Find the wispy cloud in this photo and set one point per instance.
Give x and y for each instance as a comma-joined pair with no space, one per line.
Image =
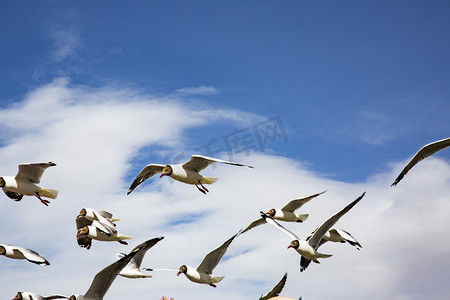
93,134
199,90
375,128
65,44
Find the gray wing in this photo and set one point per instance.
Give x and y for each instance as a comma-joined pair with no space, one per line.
103,280
276,290
104,228
317,236
32,172
270,220
297,203
424,152
141,250
106,224
82,221
146,173
254,224
105,214
212,259
32,256
199,162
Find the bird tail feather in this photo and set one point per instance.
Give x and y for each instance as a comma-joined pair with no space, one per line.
125,237
48,193
302,217
217,279
209,180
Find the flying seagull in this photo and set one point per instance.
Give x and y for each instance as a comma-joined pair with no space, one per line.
187,172
26,183
98,231
308,248
424,152
133,268
203,273
17,252
286,213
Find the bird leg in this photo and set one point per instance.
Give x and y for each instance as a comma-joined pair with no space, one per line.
45,202
201,190
123,242
212,284
205,190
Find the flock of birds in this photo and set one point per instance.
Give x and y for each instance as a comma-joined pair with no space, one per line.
99,225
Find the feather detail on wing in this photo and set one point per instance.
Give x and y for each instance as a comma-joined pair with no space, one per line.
212,259
297,203
317,236
146,173
276,290
199,162
270,220
33,172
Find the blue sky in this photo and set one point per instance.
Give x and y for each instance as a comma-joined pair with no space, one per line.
347,78
358,87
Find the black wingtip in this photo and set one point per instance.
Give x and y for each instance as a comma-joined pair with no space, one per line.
263,215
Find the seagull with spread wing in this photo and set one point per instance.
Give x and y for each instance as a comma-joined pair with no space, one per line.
286,213
16,252
203,273
423,153
187,172
26,183
308,248
133,268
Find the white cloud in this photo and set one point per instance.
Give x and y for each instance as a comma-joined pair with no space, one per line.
94,136
197,90
65,44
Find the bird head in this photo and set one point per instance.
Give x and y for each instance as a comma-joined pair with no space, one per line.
183,269
294,244
271,212
166,171
83,230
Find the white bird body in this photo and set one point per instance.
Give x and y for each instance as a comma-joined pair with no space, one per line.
193,275
203,273
99,215
133,268
26,183
96,234
16,252
306,250
289,216
188,172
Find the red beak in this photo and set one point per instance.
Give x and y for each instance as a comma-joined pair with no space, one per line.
162,175
178,274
